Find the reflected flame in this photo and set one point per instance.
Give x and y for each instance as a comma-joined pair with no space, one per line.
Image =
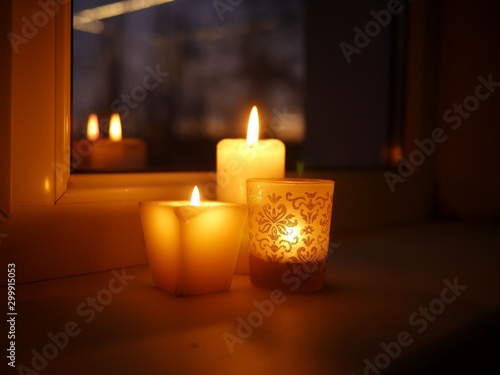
46,184
115,128
396,155
195,197
253,127
93,128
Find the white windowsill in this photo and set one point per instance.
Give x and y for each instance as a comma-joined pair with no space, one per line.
93,188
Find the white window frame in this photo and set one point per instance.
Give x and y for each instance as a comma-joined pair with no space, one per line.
55,224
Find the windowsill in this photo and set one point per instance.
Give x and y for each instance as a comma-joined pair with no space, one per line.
113,187
376,279
96,225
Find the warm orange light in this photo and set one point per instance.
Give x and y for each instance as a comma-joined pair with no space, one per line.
47,184
396,155
195,197
253,127
93,128
292,218
115,128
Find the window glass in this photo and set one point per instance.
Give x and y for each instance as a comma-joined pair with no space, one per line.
327,78
183,75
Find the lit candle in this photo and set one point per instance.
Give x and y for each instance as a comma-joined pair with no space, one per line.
93,133
82,148
289,230
192,246
240,159
117,152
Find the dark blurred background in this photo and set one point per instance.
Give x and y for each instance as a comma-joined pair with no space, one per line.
222,60
364,112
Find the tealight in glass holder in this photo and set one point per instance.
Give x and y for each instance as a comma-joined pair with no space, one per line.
289,230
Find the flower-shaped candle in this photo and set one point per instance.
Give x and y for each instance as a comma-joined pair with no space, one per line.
289,232
192,246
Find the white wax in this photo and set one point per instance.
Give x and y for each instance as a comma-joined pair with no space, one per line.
236,162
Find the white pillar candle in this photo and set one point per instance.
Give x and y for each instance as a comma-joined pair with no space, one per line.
240,159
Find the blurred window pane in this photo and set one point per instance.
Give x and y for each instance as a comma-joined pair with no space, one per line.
184,74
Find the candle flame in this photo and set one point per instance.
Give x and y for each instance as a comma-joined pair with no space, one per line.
291,234
47,184
253,127
195,197
93,128
115,128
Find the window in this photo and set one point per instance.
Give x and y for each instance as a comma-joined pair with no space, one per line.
184,74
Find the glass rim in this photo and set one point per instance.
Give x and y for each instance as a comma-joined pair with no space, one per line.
292,181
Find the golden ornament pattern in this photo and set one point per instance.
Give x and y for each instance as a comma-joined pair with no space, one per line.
291,229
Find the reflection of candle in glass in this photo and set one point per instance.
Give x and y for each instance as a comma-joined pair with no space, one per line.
118,152
93,128
115,128
82,148
192,246
240,159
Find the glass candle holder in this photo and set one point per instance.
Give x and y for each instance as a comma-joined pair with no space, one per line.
289,230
